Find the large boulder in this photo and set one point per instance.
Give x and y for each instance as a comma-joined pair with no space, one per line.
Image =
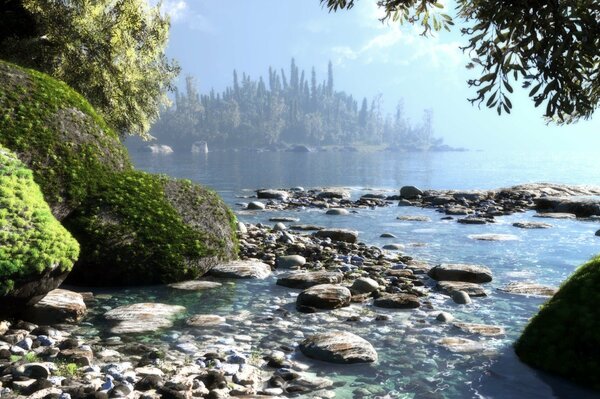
563,337
339,347
139,228
324,296
308,279
345,235
142,317
57,133
58,306
36,252
461,272
242,269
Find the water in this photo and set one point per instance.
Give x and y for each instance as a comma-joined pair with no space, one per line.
411,364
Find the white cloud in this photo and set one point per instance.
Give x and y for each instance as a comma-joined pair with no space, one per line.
181,13
176,9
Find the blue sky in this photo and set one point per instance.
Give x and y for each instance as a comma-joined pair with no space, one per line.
210,38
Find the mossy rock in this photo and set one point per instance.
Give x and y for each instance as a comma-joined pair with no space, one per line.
36,251
57,133
138,228
564,337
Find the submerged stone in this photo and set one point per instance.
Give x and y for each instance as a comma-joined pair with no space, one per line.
142,317
339,347
252,269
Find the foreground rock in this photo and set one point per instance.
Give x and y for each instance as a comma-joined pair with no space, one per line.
520,288
581,206
142,317
349,236
251,269
364,285
481,329
339,347
309,279
58,306
324,296
472,289
397,301
461,272
195,285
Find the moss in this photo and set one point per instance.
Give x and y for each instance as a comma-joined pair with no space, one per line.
138,228
564,337
32,241
57,133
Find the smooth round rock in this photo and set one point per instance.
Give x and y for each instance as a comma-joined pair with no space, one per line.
387,235
241,227
598,233
205,320
324,296
349,236
393,247
290,261
279,227
272,194
256,206
397,301
444,317
364,285
339,347
461,297
461,272
337,211
410,192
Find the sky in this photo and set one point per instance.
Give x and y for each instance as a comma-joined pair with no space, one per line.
209,38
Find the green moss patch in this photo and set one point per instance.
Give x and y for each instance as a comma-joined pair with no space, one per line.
32,241
57,133
564,337
138,228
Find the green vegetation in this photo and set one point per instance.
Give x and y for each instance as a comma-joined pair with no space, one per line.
62,139
300,110
553,47
66,370
564,337
112,52
32,241
138,228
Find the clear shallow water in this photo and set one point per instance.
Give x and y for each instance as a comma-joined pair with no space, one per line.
411,365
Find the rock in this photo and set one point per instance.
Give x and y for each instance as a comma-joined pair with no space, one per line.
598,233
461,297
290,261
156,149
337,211
241,227
444,317
252,269
149,382
393,247
283,219
199,147
581,206
37,252
397,301
493,237
272,194
80,356
481,329
410,192
256,205
450,287
364,285
304,280
413,218
522,288
461,272
306,227
195,285
387,235
532,225
299,148
460,345
334,194
404,202
374,196
36,371
339,347
279,227
142,317
472,220
324,296
349,236
57,307
554,215
205,320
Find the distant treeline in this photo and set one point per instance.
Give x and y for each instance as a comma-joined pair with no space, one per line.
287,109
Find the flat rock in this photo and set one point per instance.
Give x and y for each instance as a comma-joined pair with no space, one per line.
393,247
414,218
205,320
272,194
334,194
460,345
472,220
522,288
195,285
461,272
250,269
324,296
306,227
337,211
57,306
532,225
387,235
142,317
449,287
397,301
554,215
284,219
339,347
493,237
290,261
345,235
309,279
481,329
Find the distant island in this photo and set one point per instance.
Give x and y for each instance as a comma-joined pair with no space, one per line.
290,112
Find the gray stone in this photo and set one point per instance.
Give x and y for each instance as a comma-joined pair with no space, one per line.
306,227
444,317
410,192
284,219
393,247
241,228
57,306
349,236
279,227
205,320
532,225
334,194
290,261
461,297
472,289
554,215
481,329
472,220
337,211
252,269
461,272
460,345
397,301
364,285
256,205
493,237
324,296
598,233
413,218
272,194
142,317
387,235
339,347
195,285
309,279
522,288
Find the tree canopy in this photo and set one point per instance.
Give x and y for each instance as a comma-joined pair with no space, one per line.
551,47
111,51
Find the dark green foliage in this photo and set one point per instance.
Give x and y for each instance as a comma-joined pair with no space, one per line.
57,133
552,46
32,241
564,337
138,228
294,111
